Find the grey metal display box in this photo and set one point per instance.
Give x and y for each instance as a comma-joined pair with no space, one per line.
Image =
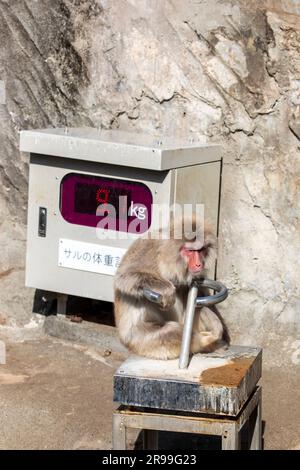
73,169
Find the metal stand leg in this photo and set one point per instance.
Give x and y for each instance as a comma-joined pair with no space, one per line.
119,433
150,438
256,431
231,438
62,304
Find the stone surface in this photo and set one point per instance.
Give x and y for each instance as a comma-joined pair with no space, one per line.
227,71
56,396
215,383
85,332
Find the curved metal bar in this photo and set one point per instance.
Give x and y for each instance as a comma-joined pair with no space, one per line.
152,296
192,302
222,293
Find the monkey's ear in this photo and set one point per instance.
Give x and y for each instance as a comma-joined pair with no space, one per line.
209,237
211,242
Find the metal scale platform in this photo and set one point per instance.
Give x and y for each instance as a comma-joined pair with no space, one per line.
212,394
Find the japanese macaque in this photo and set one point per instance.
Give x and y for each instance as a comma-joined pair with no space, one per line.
167,267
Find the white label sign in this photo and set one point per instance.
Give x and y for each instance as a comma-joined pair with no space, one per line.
91,257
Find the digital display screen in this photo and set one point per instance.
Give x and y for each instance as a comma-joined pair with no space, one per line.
89,196
90,200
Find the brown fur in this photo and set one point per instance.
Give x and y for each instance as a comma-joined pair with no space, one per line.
148,329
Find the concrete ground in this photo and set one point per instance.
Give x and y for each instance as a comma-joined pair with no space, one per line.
58,395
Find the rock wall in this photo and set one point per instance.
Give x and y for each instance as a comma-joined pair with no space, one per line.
226,70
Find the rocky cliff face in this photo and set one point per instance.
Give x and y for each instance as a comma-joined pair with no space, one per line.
226,70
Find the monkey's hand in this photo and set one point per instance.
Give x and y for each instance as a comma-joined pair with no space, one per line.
133,283
167,292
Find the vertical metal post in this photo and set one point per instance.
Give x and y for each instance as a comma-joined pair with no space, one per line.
256,437
62,304
231,438
119,433
188,327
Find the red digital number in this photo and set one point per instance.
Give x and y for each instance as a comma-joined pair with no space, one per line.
102,195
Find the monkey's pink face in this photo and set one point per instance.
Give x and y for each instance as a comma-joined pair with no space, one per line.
195,258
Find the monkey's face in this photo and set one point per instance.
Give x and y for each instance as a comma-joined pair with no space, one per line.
194,256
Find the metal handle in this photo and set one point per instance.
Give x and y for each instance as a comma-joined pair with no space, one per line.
222,293
192,302
188,327
152,296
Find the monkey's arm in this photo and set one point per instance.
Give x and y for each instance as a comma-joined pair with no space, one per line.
132,283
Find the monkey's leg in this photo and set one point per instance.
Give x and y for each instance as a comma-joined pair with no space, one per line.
208,331
158,341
